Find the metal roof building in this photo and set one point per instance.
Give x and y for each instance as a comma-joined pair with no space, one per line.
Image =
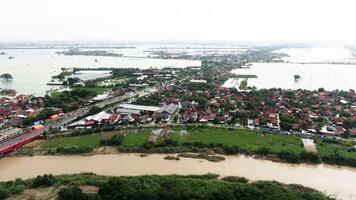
139,107
91,75
169,109
128,111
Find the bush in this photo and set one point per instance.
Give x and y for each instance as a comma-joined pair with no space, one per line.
4,194
289,156
181,188
236,179
263,151
45,180
93,110
115,140
310,157
74,150
74,193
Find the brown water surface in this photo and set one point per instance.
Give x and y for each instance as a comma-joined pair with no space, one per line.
337,181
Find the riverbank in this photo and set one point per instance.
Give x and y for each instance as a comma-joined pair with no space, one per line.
276,147
314,176
91,186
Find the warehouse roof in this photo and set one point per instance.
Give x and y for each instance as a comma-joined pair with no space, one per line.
170,109
128,111
139,107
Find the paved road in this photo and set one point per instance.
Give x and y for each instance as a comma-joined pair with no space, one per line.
71,116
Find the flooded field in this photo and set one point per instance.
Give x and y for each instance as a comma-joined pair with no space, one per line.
32,69
313,76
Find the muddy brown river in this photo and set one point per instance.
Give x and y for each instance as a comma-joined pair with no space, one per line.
337,181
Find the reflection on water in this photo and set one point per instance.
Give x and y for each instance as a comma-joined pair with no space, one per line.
339,181
32,68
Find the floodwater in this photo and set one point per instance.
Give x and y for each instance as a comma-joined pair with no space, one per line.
321,53
326,66
336,181
32,69
313,76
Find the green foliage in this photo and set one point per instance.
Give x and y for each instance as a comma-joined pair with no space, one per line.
69,100
115,140
92,140
152,100
44,114
12,187
124,72
176,187
179,188
45,180
94,110
235,179
74,150
74,193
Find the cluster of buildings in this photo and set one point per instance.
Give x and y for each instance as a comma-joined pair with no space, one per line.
13,110
129,114
9,133
319,112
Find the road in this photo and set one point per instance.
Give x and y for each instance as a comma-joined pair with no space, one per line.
71,116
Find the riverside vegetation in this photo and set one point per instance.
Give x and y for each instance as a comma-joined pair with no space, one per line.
73,187
202,140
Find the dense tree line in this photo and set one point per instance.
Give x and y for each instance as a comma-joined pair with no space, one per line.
172,187
176,188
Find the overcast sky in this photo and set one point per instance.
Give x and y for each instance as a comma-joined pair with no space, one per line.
205,20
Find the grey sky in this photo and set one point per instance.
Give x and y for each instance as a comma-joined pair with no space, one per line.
219,20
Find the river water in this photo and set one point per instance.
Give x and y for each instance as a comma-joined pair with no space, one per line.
336,181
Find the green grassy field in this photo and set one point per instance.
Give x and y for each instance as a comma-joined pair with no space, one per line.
132,139
244,139
97,90
343,148
85,140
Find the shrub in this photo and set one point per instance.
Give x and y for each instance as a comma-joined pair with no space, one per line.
45,180
235,179
289,156
74,150
115,140
310,157
74,193
4,194
263,151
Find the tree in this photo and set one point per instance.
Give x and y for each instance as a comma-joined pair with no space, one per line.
93,110
297,77
6,76
45,180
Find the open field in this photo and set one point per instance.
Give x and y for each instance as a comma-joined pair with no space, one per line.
97,90
132,138
244,139
346,149
92,140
